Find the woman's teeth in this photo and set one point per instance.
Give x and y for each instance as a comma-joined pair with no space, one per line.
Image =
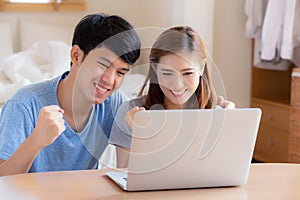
178,92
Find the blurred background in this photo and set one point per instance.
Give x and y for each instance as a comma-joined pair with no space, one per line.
221,25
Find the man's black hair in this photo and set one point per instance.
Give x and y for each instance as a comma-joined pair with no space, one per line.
114,32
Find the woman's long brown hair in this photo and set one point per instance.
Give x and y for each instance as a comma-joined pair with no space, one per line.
176,40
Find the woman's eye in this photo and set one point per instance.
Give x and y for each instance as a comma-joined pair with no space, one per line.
167,74
188,73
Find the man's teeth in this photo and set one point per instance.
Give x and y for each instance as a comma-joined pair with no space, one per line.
100,88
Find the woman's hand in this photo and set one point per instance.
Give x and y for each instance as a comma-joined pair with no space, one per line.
129,117
225,104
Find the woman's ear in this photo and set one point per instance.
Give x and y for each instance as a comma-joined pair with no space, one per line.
153,65
76,55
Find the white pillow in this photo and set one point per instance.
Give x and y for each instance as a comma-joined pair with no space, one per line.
23,65
59,57
6,40
32,31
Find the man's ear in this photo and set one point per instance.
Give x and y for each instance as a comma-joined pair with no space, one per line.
76,55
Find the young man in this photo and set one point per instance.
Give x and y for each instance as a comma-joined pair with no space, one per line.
65,123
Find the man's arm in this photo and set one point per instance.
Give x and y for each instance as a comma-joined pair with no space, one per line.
49,126
21,160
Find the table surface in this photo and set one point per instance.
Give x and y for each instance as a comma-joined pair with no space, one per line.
266,181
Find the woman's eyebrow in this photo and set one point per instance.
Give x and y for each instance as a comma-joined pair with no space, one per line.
167,70
187,69
183,70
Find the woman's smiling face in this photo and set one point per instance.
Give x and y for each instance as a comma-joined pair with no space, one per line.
178,77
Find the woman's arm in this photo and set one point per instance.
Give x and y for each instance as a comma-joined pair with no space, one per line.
122,157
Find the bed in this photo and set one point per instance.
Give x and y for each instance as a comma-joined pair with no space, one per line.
26,57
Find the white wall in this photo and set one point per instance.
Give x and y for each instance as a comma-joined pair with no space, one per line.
232,51
162,14
141,13
59,18
200,15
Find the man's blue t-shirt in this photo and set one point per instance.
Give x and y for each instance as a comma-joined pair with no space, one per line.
71,150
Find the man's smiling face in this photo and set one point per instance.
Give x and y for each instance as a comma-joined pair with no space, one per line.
100,74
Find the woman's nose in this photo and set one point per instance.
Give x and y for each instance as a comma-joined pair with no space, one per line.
178,82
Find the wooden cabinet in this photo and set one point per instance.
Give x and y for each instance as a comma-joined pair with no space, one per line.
271,91
294,139
277,93
273,136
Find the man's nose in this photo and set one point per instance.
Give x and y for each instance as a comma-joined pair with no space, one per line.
108,77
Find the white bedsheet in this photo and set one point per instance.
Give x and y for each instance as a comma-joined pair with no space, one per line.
43,61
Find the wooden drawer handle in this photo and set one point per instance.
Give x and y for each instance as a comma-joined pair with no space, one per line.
295,125
295,104
271,142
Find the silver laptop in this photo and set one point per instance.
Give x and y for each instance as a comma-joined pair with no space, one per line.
176,149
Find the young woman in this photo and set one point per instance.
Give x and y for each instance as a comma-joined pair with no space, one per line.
178,78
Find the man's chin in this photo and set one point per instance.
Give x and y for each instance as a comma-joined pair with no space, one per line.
100,100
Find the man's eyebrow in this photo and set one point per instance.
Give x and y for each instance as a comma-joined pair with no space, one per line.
110,62
105,59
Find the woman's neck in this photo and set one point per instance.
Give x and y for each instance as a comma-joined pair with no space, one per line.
172,106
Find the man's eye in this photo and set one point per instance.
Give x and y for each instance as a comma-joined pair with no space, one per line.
102,65
121,73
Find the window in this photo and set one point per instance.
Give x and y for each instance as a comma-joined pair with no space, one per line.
42,5
29,1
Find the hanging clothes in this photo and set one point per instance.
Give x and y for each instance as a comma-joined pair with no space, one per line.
274,25
255,12
290,23
272,29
